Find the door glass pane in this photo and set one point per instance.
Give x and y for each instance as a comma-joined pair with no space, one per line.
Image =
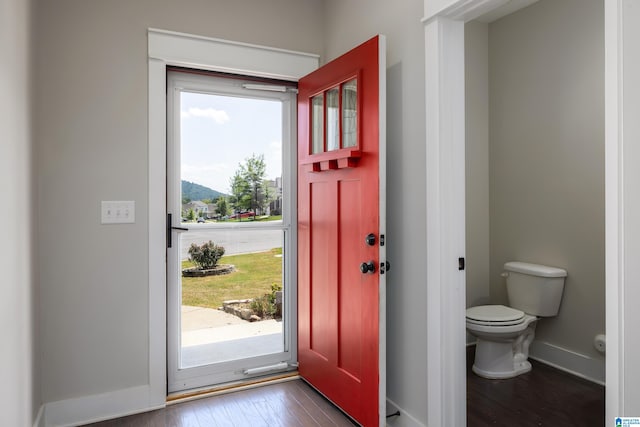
239,314
333,119
317,124
350,114
231,176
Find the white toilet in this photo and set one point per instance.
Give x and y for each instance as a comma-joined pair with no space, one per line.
505,333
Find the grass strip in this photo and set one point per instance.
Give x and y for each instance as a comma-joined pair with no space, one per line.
254,275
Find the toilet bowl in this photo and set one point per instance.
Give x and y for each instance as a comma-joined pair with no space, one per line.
503,337
503,333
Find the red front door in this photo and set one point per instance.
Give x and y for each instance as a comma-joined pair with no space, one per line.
341,261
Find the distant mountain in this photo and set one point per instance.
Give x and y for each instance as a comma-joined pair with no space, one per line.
193,191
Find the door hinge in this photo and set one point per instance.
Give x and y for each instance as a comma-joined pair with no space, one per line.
461,263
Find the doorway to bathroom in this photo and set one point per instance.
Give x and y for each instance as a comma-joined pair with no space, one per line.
534,185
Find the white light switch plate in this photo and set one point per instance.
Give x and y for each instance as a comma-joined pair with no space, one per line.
118,212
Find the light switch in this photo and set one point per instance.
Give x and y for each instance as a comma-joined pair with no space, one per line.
118,212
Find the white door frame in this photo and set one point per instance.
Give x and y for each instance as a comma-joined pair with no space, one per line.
185,50
622,106
446,366
218,372
444,75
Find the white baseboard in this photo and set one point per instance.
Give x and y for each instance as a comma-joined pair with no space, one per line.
569,361
403,420
90,409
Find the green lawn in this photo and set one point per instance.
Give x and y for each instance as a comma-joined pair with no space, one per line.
254,275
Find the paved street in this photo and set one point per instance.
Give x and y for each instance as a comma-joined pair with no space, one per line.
234,240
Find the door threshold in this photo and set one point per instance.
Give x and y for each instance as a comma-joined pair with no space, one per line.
200,393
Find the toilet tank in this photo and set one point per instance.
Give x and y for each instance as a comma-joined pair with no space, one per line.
534,289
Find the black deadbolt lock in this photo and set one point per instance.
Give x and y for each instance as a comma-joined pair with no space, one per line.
370,239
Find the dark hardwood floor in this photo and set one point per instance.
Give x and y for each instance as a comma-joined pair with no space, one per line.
543,397
286,404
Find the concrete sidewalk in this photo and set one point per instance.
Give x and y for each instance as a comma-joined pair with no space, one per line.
213,336
194,318
207,325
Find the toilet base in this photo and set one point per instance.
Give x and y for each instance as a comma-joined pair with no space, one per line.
504,358
523,368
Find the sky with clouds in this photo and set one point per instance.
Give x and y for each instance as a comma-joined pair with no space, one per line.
219,132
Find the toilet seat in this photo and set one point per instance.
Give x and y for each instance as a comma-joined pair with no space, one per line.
494,315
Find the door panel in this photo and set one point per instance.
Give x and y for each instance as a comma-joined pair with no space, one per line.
321,238
350,296
341,330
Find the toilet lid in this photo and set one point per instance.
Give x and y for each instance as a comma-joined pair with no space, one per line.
495,315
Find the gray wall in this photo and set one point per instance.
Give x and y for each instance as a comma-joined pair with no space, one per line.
406,287
547,158
91,135
19,394
91,145
476,62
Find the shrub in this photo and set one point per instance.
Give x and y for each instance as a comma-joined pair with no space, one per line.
275,287
262,307
205,256
265,306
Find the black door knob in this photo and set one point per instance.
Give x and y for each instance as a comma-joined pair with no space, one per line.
368,267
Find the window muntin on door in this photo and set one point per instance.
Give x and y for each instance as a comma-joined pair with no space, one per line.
335,124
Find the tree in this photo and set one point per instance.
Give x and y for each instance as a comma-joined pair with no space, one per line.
269,195
240,191
254,171
248,185
191,215
221,206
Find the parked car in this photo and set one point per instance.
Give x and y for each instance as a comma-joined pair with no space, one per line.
200,220
242,215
